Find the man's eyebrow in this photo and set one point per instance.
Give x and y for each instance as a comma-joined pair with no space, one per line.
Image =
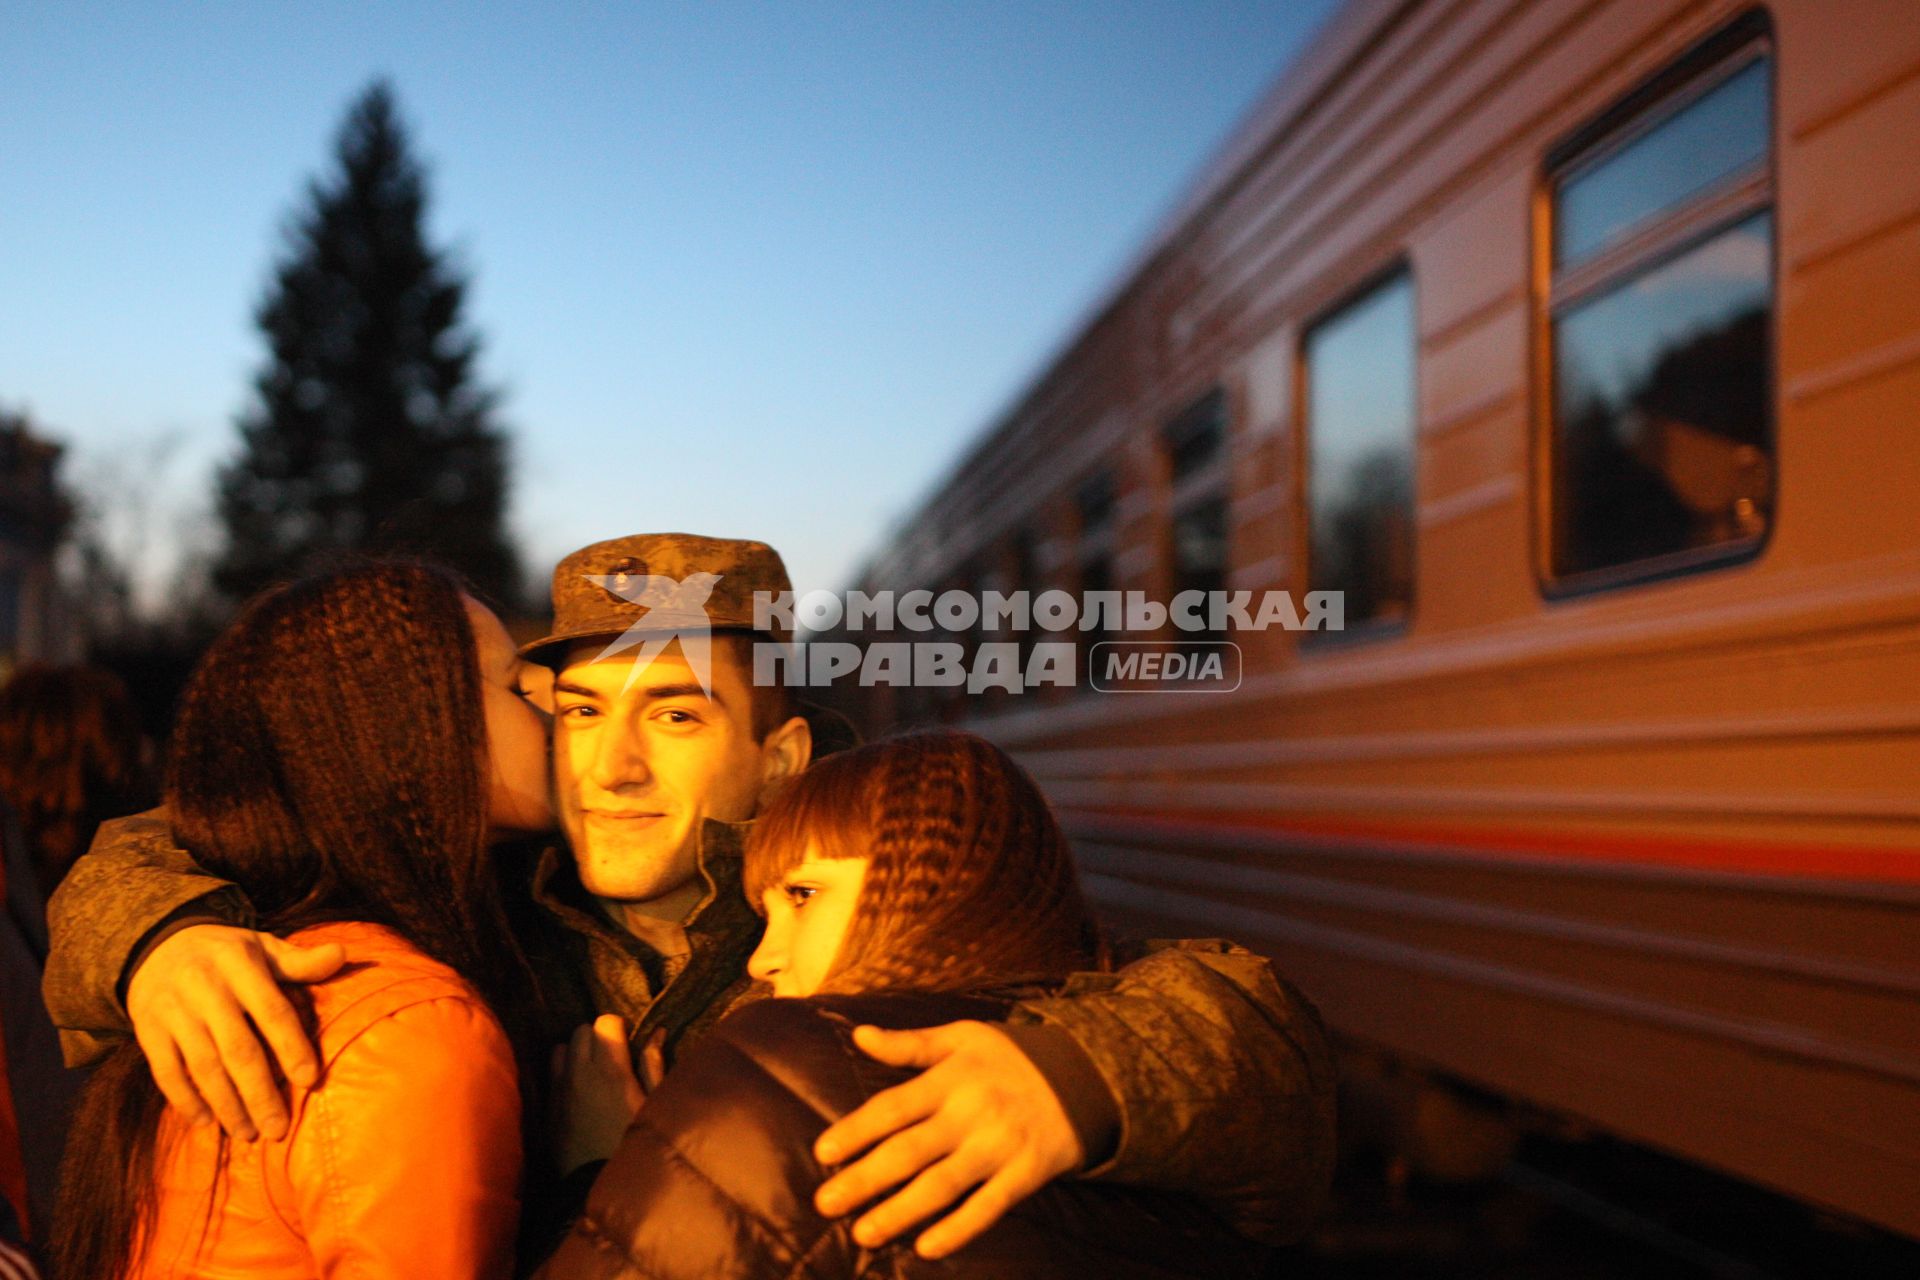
690,689
687,689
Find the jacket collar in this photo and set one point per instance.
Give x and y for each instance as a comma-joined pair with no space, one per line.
722,913
626,976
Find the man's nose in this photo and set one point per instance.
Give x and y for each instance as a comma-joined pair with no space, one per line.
619,760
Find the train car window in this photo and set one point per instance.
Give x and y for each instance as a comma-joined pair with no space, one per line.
1195,440
1094,500
1360,402
1719,135
1195,435
1200,551
1660,330
1096,577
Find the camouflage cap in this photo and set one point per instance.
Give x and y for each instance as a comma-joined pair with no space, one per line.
660,582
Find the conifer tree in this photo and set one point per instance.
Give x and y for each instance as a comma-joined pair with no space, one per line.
369,430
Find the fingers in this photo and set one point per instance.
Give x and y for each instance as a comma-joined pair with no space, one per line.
203,1064
202,993
891,1163
906,1048
261,1000
979,1129
290,962
245,1066
998,1183
610,1040
934,1190
170,1075
983,1208
580,1047
886,1112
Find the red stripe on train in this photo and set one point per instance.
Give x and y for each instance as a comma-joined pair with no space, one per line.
1836,862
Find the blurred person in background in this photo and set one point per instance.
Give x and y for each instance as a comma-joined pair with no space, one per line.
71,756
36,1091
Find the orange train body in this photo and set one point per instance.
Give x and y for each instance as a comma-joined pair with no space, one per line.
1624,829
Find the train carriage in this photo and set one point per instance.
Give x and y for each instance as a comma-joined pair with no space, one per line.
1576,343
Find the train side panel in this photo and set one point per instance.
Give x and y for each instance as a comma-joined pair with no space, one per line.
1648,855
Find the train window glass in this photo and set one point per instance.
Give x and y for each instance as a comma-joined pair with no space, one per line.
1719,135
1095,501
1360,411
1096,577
1194,436
1661,453
1200,552
1660,397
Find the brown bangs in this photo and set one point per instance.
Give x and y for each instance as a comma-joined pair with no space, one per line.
830,806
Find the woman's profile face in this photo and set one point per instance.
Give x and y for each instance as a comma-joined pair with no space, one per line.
518,794
808,912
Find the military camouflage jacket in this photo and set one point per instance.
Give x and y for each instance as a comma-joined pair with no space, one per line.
1215,1076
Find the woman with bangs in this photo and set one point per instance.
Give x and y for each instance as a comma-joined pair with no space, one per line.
908,883
347,753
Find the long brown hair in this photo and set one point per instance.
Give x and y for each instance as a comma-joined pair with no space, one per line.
970,882
70,758
330,759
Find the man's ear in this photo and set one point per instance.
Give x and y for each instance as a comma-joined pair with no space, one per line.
786,751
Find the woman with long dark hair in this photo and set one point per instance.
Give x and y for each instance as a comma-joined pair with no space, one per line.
346,753
909,883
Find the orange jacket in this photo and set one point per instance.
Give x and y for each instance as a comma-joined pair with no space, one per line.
403,1161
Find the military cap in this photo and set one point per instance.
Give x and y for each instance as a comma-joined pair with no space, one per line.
667,582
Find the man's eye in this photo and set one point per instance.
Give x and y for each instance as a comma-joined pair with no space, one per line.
579,712
674,715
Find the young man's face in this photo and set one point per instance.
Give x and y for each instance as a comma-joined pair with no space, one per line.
639,767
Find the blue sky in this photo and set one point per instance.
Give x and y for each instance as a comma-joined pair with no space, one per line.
743,269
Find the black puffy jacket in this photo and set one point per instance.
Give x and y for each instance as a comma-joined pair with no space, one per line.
716,1177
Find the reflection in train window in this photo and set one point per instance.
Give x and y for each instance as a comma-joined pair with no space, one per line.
1661,329
1360,415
